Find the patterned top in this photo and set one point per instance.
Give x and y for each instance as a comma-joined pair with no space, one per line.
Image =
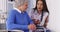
35,15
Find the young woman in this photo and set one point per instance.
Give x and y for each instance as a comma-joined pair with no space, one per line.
40,14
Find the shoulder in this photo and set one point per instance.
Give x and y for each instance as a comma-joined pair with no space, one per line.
12,12
46,14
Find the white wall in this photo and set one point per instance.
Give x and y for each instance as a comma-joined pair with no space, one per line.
54,19
2,10
0,4
3,5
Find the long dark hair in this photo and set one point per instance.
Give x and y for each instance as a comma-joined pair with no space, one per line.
44,6
45,9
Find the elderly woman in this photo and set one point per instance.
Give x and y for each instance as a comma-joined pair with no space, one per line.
18,18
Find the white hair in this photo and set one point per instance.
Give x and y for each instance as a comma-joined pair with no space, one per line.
19,2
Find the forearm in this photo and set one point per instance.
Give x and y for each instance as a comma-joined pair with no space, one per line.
16,26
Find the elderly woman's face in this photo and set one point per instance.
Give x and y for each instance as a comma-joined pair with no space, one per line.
39,5
25,6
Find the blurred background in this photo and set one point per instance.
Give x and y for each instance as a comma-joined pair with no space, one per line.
53,6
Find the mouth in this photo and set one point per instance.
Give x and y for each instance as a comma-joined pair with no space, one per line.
39,8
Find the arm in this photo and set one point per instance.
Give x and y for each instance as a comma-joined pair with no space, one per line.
29,19
31,24
46,21
10,22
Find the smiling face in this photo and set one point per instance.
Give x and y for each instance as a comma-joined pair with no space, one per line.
39,5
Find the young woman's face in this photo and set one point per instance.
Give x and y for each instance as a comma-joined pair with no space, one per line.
39,5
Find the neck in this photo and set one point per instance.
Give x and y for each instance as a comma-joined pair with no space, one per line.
20,8
39,12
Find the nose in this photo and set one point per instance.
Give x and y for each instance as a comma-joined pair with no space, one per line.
39,5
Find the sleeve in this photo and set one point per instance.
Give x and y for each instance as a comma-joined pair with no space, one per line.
46,20
29,19
10,22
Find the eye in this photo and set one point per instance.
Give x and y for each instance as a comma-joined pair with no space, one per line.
38,3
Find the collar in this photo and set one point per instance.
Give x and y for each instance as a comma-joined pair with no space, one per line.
17,10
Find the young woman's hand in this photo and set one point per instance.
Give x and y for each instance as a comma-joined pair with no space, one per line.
36,21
